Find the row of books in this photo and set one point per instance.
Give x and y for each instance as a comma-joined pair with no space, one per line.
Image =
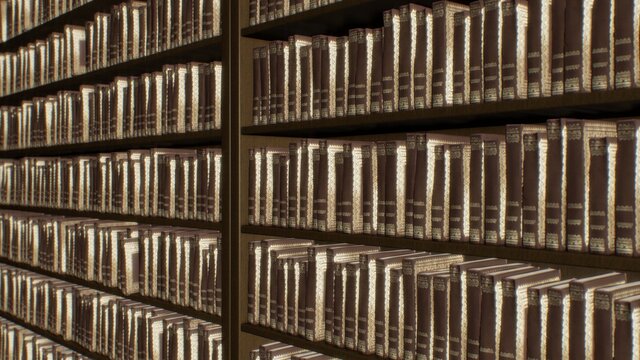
132,30
178,265
451,54
171,183
266,10
402,304
569,185
277,350
180,98
103,323
19,16
17,342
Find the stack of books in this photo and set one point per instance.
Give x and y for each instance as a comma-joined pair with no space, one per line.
170,183
178,265
567,186
449,54
403,304
106,324
266,10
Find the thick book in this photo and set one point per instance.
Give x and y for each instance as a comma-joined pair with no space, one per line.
602,195
477,187
534,179
441,306
495,190
394,190
394,334
342,76
626,44
295,74
627,217
515,180
351,207
581,314
377,58
627,312
364,42
407,55
578,17
492,50
443,47
423,64
514,49
539,37
424,323
602,45
324,205
461,57
556,194
440,198
459,185
604,317
278,284
476,52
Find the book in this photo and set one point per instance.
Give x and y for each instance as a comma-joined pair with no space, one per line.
602,195
577,46
407,55
534,177
603,46
494,190
627,72
514,49
459,185
424,326
461,57
626,344
394,171
423,64
625,193
556,193
477,188
604,317
492,50
539,50
349,335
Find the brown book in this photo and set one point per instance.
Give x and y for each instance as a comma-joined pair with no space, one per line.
328,77
381,164
307,187
306,83
342,76
477,188
515,303
539,48
294,278
396,319
325,219
390,61
275,190
338,306
492,50
316,78
302,299
412,150
581,312
274,81
627,71
515,179
626,214
396,164
604,317
494,191
257,86
279,273
602,45
578,209
458,304
425,317
461,47
537,319
406,56
283,192
265,80
626,343
295,75
350,315
557,46
476,52
441,303
459,185
534,178
369,189
440,197
292,207
555,208
423,65
253,282
363,71
377,56
577,46
353,69
352,191
339,180
443,46
602,195
514,49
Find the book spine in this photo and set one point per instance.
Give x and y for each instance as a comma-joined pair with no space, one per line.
329,298
316,189
310,303
364,346
455,315
342,68
625,44
458,194
362,75
440,196
284,191
377,57
348,194
368,221
509,50
381,316
304,186
556,187
461,45
599,194
492,51
441,319
302,299
533,191
291,311
422,86
381,176
339,183
509,323
323,188
277,306
603,321
602,61
327,72
576,198
513,229
557,46
493,192
439,37
409,184
273,82
265,78
316,57
293,195
488,319
338,308
476,191
410,310
306,83
474,301
351,307
424,319
535,48
476,51
405,58
391,200
534,326
574,43
391,41
393,333
275,188
626,227
577,318
353,70
420,189
282,55
624,335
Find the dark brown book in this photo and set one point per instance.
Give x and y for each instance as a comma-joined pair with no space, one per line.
626,311
412,150
339,180
604,317
534,179
461,45
377,56
459,184
307,188
253,282
602,195
440,197
302,299
381,155
353,68
352,191
476,52
557,46
316,82
539,48
396,320
342,76
492,54
627,71
328,77
626,214
577,46
408,21
581,314
394,191
514,49
555,208
265,79
477,188
306,81
363,71
295,266
351,296
275,190
458,304
425,317
293,187
422,71
295,75
321,199
284,191
313,203
274,81
369,188
602,46
515,180
441,297
390,60
494,191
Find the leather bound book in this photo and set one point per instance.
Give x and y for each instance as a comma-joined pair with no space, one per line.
474,308
602,45
273,81
391,58
461,54
316,78
581,314
284,191
557,32
307,188
396,315
411,267
515,303
443,47
459,184
348,335
492,50
302,298
476,52
353,70
604,320
423,64
377,58
578,209
325,203
626,44
282,84
534,178
368,296
537,319
352,188
337,313
458,304
515,179
514,49
577,46
407,55
412,150
254,187
424,323
626,342
539,38
626,192
294,76
342,76
369,189
441,297
396,165
440,198
494,191
476,188
278,283
381,165
555,208
328,76
295,266
602,195
339,180
491,316
306,83
265,81
292,204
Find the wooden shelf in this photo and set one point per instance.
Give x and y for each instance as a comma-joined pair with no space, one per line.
151,220
78,16
334,19
54,337
183,310
203,50
608,262
301,342
616,103
191,139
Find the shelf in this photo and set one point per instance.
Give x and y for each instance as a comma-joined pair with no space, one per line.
616,103
334,19
183,310
151,220
609,262
77,16
301,342
53,337
191,139
203,50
